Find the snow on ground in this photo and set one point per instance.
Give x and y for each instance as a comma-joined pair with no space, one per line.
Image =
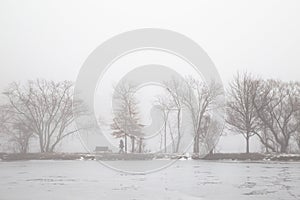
186,180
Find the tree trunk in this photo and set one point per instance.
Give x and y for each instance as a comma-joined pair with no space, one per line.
247,144
283,148
140,145
267,149
125,139
178,130
132,144
41,143
23,148
24,145
196,144
165,139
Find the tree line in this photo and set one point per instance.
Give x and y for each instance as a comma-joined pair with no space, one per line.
190,95
39,110
268,109
44,111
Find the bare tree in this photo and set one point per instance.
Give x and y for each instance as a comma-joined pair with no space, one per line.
296,136
4,119
126,120
20,136
277,105
16,132
164,105
174,88
44,108
200,99
209,130
241,113
172,136
267,139
118,128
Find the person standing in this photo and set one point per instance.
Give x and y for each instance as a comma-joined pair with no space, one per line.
121,146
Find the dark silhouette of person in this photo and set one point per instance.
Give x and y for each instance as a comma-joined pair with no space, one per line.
121,146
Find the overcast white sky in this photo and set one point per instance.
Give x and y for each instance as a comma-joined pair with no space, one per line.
51,39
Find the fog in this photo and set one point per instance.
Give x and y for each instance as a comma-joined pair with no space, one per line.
52,39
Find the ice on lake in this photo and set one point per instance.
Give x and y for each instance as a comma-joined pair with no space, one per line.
186,180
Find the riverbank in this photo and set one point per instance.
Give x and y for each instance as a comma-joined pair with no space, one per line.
87,156
40,156
252,157
129,156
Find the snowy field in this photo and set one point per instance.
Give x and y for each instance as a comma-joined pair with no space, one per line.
89,180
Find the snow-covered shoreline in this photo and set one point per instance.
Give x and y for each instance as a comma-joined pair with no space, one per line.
115,156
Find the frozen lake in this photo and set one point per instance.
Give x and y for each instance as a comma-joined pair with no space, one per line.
89,180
